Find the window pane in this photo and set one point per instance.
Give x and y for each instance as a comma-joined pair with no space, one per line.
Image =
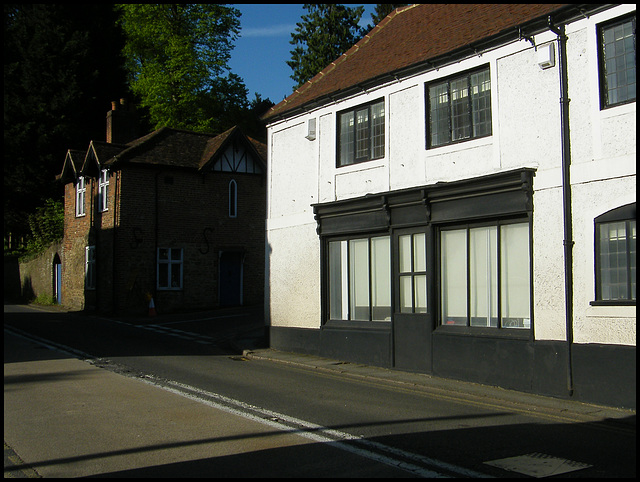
483,272
619,50
632,257
613,261
338,294
481,103
406,301
362,134
419,252
439,114
460,121
420,293
377,119
514,276
359,279
381,278
346,138
404,248
453,265
163,275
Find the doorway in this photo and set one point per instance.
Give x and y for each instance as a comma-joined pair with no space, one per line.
413,313
57,279
230,278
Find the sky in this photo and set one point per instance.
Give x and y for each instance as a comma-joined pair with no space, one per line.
261,52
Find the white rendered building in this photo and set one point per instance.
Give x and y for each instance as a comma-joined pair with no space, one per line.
455,195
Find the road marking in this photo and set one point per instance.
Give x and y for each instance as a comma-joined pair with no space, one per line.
355,444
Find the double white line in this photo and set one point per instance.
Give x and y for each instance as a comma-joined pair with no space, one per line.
410,462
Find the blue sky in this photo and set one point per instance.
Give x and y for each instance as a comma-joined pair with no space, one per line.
261,53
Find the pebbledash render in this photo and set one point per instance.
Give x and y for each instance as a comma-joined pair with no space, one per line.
456,195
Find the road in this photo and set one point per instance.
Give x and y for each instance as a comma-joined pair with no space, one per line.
297,420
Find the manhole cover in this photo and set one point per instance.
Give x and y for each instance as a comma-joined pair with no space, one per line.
538,465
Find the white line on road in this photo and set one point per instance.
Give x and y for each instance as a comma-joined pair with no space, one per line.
395,458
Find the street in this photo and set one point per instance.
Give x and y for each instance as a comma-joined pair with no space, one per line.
198,396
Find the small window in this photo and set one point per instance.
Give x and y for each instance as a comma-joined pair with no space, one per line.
90,268
617,45
103,190
233,199
81,191
484,276
170,268
615,256
459,108
361,133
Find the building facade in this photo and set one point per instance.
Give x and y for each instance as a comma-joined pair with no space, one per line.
173,216
461,186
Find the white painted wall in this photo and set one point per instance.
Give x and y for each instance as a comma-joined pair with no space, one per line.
526,133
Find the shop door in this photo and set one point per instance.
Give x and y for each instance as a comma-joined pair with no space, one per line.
231,278
412,318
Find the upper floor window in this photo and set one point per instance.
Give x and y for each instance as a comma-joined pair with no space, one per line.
103,190
615,255
233,199
361,134
81,191
459,108
617,44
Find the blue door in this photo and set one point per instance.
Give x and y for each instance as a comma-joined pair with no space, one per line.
58,282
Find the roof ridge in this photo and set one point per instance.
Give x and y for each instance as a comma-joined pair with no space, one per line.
351,51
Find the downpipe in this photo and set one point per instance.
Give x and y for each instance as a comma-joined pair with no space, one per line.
566,196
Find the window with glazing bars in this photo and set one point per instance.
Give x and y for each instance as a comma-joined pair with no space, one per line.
361,134
618,62
459,108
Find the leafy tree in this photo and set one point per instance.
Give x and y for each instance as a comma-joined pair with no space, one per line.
322,36
62,67
177,55
47,225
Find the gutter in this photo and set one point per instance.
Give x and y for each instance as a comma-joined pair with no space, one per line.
566,196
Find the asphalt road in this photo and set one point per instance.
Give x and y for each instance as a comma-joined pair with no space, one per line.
205,407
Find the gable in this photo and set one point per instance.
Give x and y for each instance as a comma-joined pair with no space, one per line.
238,159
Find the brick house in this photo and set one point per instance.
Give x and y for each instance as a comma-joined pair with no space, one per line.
461,185
174,215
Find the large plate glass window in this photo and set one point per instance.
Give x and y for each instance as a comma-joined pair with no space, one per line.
360,279
485,276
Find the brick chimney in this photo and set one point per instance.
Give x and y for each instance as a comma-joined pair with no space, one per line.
122,124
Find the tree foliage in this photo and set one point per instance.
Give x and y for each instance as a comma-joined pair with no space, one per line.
322,36
177,57
60,64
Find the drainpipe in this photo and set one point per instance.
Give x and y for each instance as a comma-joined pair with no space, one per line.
566,196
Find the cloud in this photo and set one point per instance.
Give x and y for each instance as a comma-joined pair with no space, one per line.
272,31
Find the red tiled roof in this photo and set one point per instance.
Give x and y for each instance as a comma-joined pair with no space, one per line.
409,36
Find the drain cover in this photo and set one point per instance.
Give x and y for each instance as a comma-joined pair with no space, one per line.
538,465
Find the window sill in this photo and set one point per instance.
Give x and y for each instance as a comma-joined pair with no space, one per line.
504,333
357,325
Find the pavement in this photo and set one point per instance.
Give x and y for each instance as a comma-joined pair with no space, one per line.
48,407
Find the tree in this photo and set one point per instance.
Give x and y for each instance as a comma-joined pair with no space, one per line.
62,67
177,55
322,36
382,10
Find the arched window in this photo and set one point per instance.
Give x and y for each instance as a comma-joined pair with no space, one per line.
615,256
233,199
